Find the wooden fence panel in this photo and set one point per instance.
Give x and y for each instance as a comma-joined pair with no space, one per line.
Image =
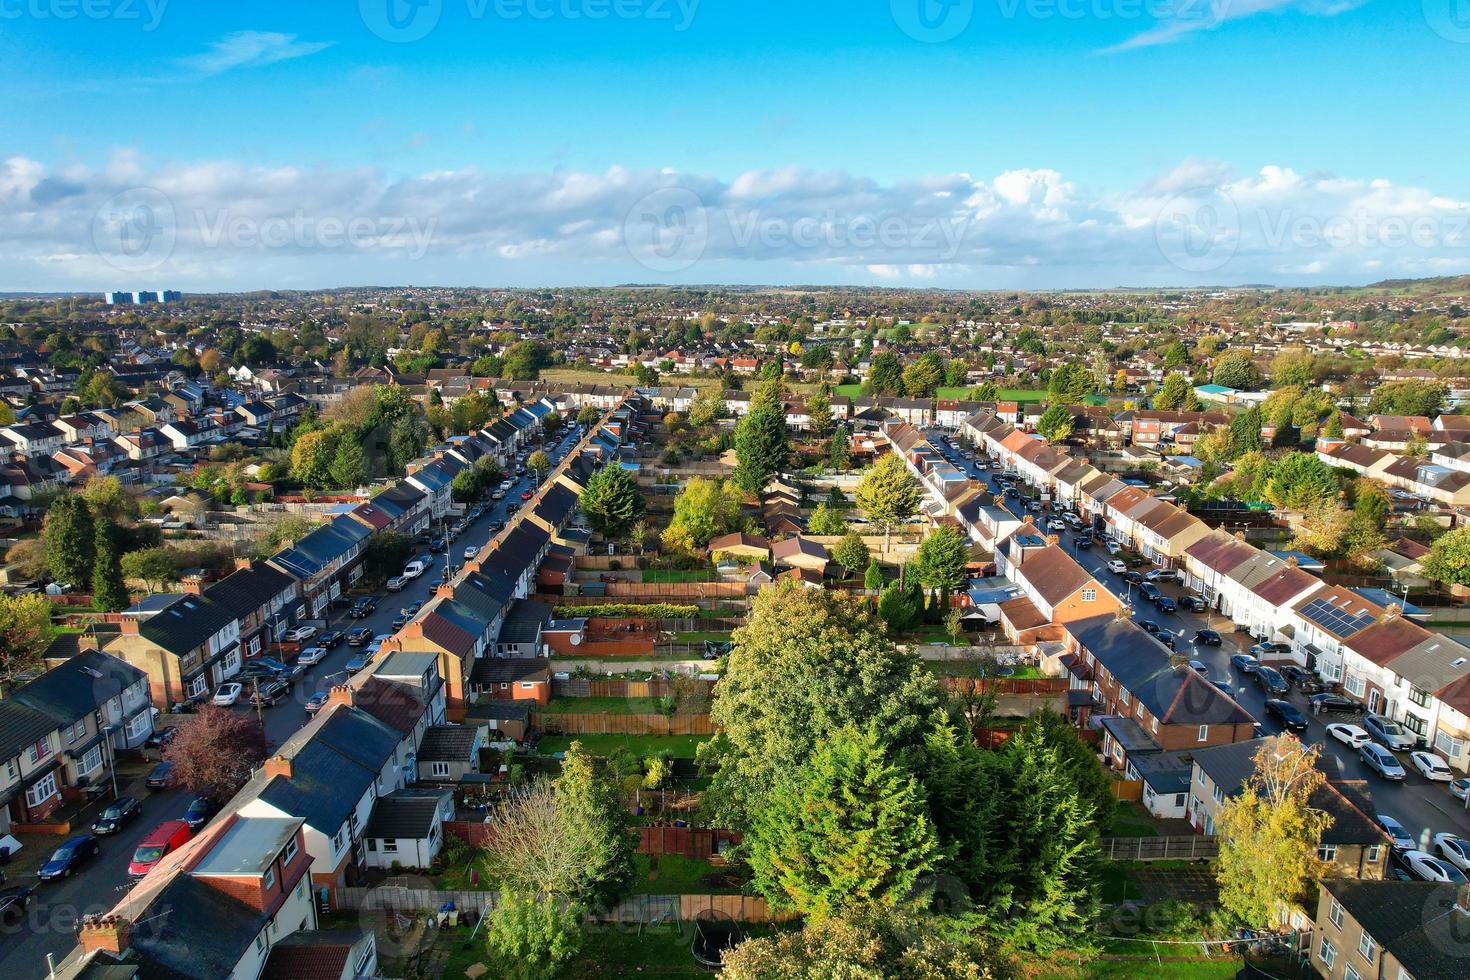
647,909
583,687
607,724
1130,790
1195,847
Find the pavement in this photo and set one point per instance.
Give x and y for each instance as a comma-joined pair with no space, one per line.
57,907
1423,807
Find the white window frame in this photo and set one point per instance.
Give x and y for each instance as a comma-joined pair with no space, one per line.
1327,953
1375,851
1367,947
439,768
1089,595
288,852
270,878
139,723
1351,973
1327,852
47,782
1204,733
390,845
91,761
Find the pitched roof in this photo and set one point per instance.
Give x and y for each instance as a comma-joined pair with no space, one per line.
1416,921
77,687
312,955
1054,574
405,813
448,743
186,623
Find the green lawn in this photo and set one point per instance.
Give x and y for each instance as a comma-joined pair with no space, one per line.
1148,968
1005,394
682,746
677,875
1114,885
849,391
1128,820
668,576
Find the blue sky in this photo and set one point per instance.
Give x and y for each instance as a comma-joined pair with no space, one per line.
519,136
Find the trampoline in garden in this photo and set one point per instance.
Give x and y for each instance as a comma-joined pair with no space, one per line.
714,935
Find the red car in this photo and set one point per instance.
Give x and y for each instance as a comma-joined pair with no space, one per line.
527,495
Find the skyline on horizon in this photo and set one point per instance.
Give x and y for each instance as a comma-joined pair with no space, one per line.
960,144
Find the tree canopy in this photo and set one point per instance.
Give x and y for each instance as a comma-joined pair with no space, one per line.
612,502
888,494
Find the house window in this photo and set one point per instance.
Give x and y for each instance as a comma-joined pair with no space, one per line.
1367,948
196,686
1327,953
260,942
1204,733
528,685
76,731
1355,685
1421,698
1375,851
270,878
138,725
91,761
439,768
289,852
1217,794
232,662
1448,746
1415,724
373,846
1123,696
366,956
390,845
40,750
1351,973
1089,595
1334,913
44,789
1327,852
503,685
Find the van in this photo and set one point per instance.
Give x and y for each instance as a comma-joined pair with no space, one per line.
414,569
161,841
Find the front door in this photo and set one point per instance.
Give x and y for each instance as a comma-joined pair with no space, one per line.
1374,699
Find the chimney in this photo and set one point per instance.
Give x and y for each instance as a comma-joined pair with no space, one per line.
342,694
1052,539
105,932
1240,535
243,564
129,626
277,765
445,591
193,581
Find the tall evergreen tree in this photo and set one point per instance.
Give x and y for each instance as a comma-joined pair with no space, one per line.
71,540
109,593
762,448
612,501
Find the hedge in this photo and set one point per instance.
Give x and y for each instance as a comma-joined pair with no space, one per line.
627,610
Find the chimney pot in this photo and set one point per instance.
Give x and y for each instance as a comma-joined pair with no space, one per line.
342,694
106,932
278,765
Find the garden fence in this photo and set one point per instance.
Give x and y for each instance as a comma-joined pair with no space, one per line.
1195,847
644,909
607,724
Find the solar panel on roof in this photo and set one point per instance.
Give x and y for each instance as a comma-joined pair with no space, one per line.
1336,621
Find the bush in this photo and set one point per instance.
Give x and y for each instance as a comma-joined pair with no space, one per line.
626,610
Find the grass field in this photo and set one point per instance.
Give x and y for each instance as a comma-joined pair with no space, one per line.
677,875
675,575
1005,394
1128,821
682,746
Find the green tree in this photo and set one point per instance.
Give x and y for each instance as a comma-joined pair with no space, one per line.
873,576
349,469
888,494
1055,424
524,360
806,664
867,945
312,457
839,449
851,553
1300,481
1234,369
762,448
885,375
1245,433
612,502
533,938
25,633
590,808
538,462
708,406
1070,383
109,593
1269,835
942,558
850,829
826,522
956,373
704,510
1172,393
1448,560
71,541
1371,501
467,486
819,413
588,415
1425,398
1175,355
924,376
154,567
1333,428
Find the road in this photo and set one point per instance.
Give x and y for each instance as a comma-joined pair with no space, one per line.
1423,807
50,926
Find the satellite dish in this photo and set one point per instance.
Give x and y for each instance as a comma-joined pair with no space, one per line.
576,639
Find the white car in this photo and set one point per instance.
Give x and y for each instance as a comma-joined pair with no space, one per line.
228,694
1430,868
301,633
1116,567
311,656
1455,850
1113,547
471,552
1056,525
1461,788
1350,735
1431,767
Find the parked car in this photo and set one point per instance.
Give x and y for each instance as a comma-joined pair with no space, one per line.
1166,638
1117,567
1427,867
1149,591
269,694
1148,626
397,583
160,776
438,544
414,569
121,812
1084,542
1350,735
1460,788
317,702
1381,761
359,636
310,657
1165,605
1288,714
14,902
1056,524
161,841
1225,687
331,639
1390,733
161,737
1162,575
301,634
364,606
1327,701
1396,832
1301,678
360,661
69,858
1208,638
1201,668
400,621
1133,578
1264,650
1271,681
200,810
228,694
412,609
1431,767
1113,547
1193,603
1245,663
470,552
1454,849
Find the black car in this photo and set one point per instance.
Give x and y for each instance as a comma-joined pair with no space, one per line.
1166,638
1270,680
161,737
201,808
1288,714
1085,542
13,903
1328,702
1301,678
68,859
1149,627
331,639
1133,578
1149,591
399,622
437,545
1193,603
160,776
124,810
364,606
270,693
1164,604
359,637
1207,638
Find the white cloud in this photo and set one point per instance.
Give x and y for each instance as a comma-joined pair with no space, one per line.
1178,21
221,224
250,49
